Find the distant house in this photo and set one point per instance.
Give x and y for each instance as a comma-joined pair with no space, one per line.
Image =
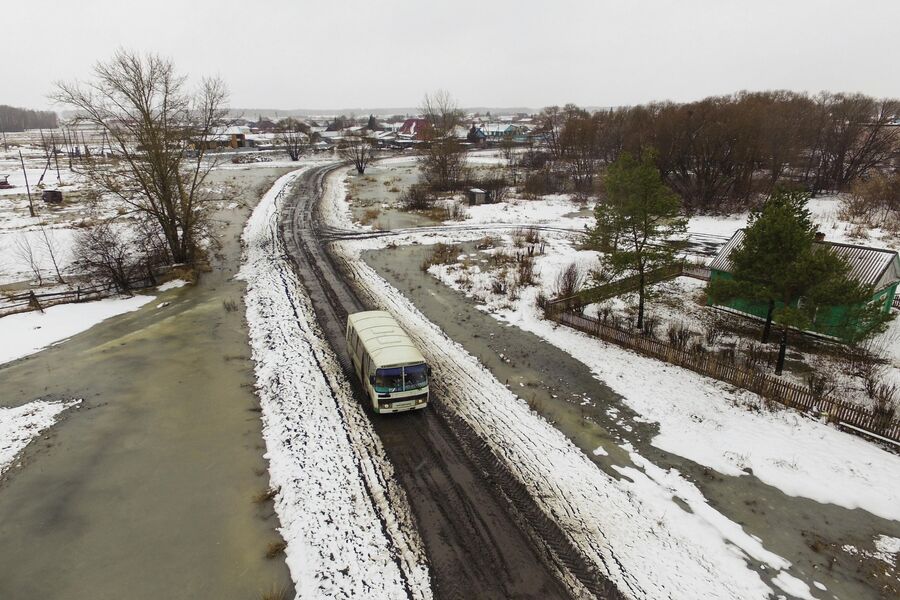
475,135
226,137
874,267
416,129
495,132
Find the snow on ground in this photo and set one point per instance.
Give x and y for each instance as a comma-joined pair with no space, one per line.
825,212
21,424
30,332
347,524
625,525
171,285
556,210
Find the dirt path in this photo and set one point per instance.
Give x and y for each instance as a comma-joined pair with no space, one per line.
479,545
146,491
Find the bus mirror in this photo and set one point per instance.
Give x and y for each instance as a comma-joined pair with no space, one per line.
428,370
372,379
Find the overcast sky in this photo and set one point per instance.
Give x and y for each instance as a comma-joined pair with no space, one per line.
386,53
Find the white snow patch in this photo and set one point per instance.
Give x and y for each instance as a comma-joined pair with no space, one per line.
793,586
171,285
30,332
887,549
21,424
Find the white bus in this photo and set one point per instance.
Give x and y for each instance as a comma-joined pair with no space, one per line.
390,367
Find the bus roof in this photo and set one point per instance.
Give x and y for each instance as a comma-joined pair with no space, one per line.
384,339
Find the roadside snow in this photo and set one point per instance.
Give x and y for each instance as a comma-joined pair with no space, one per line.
21,424
30,332
347,524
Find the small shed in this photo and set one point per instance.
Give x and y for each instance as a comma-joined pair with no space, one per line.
478,196
877,268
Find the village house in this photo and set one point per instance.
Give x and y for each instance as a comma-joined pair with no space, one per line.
876,268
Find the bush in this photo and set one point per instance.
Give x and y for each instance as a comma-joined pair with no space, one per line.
543,182
442,254
525,270
569,281
679,335
417,197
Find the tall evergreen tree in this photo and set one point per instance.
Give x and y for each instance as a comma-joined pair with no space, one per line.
779,264
636,222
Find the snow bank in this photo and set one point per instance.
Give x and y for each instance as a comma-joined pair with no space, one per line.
347,525
27,333
21,424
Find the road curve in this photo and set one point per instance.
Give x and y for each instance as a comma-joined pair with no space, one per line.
484,536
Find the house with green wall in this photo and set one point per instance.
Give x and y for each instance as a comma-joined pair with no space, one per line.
877,268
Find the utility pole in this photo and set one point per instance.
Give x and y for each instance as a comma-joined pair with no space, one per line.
55,158
25,173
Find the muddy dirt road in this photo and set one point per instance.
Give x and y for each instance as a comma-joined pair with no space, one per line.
145,492
482,535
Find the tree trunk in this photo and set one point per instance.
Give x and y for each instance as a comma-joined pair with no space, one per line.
768,328
640,319
782,349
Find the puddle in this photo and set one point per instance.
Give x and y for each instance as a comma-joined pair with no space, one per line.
146,490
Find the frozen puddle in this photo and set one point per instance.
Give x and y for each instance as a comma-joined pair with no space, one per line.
21,424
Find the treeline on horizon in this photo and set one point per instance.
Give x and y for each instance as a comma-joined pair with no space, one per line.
14,119
721,153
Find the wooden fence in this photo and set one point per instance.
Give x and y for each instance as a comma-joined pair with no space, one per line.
28,301
881,424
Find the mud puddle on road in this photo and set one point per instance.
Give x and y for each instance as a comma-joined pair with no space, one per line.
146,491
806,533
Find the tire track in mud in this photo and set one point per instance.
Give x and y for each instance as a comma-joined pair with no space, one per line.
484,534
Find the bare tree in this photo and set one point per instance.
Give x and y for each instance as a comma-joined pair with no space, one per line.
103,253
24,251
359,150
296,137
51,246
160,131
443,159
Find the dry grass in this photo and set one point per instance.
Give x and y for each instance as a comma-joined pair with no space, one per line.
229,305
275,549
282,592
370,215
266,495
442,254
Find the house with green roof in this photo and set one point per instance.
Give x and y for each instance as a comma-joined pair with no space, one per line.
877,268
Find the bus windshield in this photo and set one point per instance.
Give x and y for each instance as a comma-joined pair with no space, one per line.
416,376
400,379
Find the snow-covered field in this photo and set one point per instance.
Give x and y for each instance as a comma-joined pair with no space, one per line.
21,424
30,332
627,525
347,524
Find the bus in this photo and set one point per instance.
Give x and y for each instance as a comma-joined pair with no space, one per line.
390,367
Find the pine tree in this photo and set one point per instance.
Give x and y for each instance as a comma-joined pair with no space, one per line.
636,222
779,264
